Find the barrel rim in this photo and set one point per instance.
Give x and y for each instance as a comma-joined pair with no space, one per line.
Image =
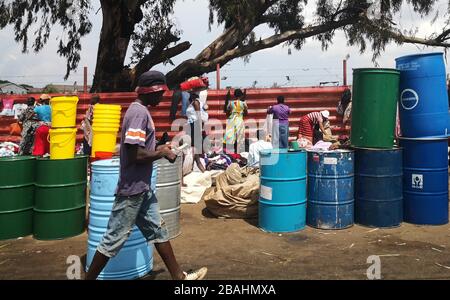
107,163
378,149
281,151
419,55
428,138
17,158
330,151
377,70
77,157
64,99
65,130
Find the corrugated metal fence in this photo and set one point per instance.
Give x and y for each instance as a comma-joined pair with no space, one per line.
301,100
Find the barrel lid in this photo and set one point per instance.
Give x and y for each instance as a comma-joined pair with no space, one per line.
107,162
419,55
377,70
17,158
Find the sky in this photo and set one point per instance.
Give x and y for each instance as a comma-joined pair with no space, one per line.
308,67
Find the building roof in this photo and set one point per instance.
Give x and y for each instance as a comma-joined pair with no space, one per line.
2,85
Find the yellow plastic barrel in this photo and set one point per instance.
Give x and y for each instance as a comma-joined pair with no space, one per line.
107,125
105,114
99,106
62,143
64,111
104,139
106,120
107,108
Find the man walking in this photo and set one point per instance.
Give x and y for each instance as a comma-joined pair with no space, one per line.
135,203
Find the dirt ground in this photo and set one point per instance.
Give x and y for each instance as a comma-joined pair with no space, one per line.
237,249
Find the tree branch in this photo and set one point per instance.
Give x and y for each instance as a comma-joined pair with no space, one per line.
396,35
200,65
156,56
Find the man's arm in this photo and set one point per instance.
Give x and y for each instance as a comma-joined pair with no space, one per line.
138,154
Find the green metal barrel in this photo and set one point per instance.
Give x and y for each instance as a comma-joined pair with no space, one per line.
16,196
60,201
374,108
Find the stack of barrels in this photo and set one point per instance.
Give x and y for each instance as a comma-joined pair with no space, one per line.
378,163
424,124
64,130
61,181
379,183
43,197
105,127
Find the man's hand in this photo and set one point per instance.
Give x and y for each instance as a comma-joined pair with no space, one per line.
161,147
166,150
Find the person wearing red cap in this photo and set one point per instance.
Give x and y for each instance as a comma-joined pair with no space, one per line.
135,203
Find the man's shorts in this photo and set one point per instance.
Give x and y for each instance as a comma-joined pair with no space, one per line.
141,210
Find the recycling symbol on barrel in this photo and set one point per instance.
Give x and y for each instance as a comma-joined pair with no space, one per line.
417,181
409,99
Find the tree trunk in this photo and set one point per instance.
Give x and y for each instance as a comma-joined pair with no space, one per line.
119,19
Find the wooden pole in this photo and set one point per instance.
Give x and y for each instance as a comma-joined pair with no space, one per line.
85,80
345,72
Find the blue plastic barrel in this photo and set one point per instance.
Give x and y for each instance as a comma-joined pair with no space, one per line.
282,202
425,182
135,258
379,187
330,189
423,95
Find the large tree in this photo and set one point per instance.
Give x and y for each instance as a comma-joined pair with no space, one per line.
147,26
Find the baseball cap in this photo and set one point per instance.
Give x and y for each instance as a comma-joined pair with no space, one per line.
325,114
151,82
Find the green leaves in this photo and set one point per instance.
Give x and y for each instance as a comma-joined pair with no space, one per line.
35,19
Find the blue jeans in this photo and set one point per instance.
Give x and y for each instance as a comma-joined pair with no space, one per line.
280,135
184,102
141,210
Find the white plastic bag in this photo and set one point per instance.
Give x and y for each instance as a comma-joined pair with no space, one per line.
268,124
188,161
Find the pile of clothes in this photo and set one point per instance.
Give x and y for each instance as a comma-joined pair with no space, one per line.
8,149
215,161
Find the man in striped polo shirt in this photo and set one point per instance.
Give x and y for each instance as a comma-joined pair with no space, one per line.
135,203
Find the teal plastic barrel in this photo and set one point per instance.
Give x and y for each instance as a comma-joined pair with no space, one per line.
282,203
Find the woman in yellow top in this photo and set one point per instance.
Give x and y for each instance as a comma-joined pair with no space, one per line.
235,131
